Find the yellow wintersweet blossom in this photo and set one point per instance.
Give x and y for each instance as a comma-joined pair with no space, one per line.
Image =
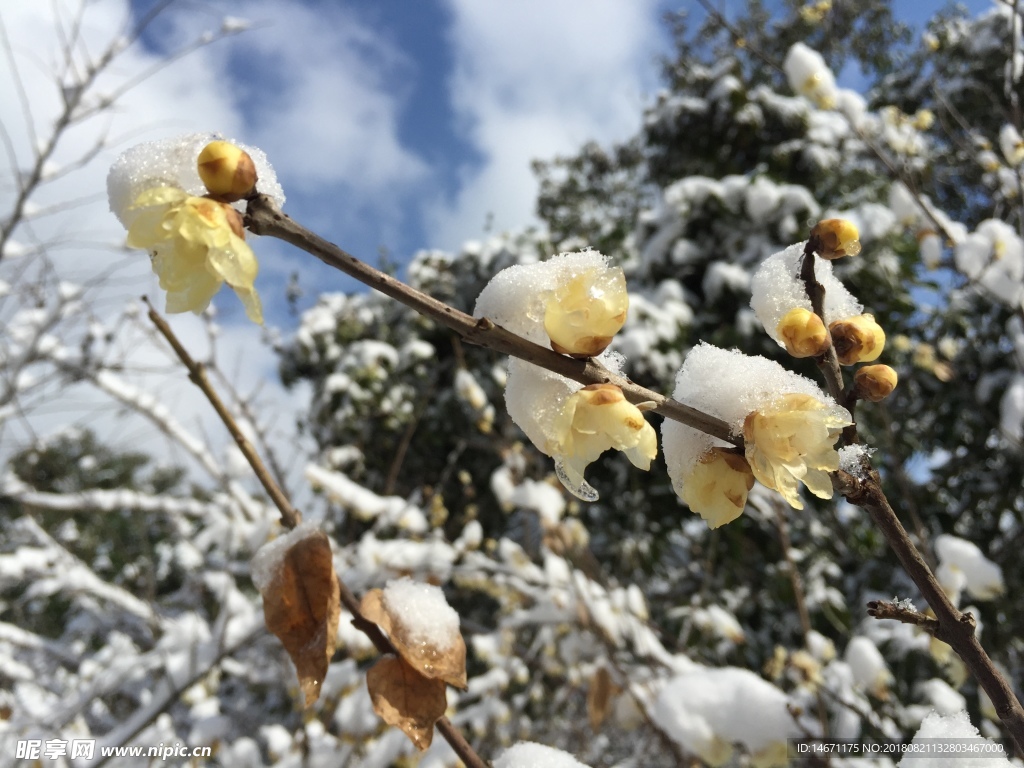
197,246
595,419
791,442
583,315
717,486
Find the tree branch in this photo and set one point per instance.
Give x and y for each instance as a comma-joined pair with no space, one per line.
290,517
264,218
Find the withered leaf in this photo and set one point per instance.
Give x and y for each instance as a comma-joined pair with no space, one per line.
302,605
442,663
406,699
600,695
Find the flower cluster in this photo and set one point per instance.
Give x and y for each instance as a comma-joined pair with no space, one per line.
789,427
575,303
175,199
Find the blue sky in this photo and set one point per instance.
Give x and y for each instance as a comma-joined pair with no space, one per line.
390,124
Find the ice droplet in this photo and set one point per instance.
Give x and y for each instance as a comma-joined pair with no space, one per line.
583,490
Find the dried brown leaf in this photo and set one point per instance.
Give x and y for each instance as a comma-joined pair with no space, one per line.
600,695
301,606
443,663
406,699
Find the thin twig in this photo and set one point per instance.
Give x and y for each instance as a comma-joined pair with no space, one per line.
885,609
290,517
264,218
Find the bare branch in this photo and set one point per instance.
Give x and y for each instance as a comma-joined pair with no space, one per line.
264,218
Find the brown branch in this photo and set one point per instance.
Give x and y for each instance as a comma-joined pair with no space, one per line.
886,609
953,627
290,517
264,218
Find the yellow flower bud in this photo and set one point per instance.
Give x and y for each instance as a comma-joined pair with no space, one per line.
874,382
227,171
583,315
857,339
803,333
834,238
792,442
717,486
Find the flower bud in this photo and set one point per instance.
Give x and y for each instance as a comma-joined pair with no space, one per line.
803,333
717,486
874,382
227,171
834,238
857,339
583,314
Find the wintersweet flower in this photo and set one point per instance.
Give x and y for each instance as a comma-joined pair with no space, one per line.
574,301
196,246
585,312
595,419
157,191
803,333
857,339
716,487
809,75
791,442
788,424
1012,145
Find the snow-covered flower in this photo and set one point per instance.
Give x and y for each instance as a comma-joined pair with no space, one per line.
571,299
993,256
196,246
584,313
803,333
776,288
809,75
791,442
788,424
1012,145
858,339
196,242
716,487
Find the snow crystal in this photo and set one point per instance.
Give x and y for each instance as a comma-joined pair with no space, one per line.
172,162
729,385
984,578
423,612
777,288
705,706
269,558
851,458
527,754
956,726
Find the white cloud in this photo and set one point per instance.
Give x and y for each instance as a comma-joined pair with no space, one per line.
534,79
